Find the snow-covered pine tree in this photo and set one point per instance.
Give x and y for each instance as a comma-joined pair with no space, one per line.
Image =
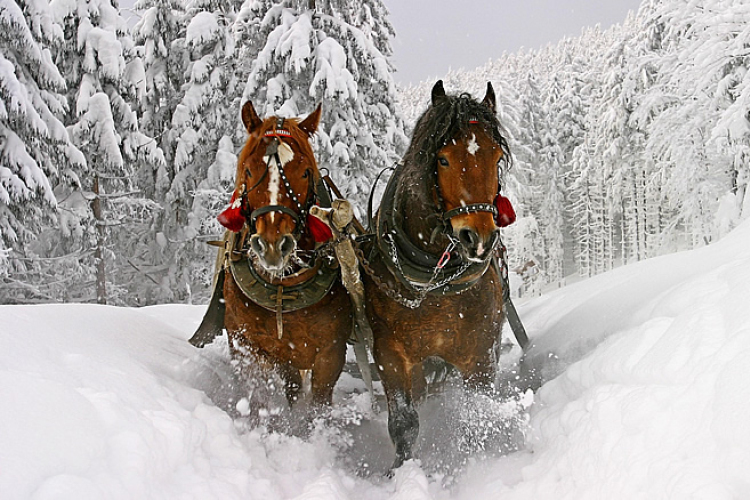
335,53
616,158
205,114
694,171
530,163
567,112
35,149
202,128
160,37
552,183
104,214
583,193
722,73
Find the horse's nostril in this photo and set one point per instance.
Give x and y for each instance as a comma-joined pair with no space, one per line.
257,245
468,237
286,245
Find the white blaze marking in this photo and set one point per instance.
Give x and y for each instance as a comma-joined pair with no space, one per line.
472,147
274,175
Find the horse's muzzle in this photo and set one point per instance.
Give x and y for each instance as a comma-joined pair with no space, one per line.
273,256
473,246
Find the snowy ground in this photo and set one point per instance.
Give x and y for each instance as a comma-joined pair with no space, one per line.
645,393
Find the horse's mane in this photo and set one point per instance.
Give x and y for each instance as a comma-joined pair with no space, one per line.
442,121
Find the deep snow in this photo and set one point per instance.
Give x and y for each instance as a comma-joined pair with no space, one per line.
645,393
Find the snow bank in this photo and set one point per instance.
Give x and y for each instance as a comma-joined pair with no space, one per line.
660,408
646,394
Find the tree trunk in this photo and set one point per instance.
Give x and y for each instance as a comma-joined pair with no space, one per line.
101,278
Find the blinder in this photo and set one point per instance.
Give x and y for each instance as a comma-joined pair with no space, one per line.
298,222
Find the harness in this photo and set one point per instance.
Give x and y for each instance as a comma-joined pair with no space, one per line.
423,273
307,286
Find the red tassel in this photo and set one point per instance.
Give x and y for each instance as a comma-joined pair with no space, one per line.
320,232
232,217
505,213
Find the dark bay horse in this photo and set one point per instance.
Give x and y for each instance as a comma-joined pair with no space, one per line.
282,301
432,279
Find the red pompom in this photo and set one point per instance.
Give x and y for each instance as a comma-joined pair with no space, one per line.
320,232
505,213
232,217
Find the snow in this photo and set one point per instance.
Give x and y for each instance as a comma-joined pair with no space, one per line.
203,28
644,394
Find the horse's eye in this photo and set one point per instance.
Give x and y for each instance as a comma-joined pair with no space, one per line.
443,161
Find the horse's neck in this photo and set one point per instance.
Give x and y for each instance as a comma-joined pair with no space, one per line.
419,220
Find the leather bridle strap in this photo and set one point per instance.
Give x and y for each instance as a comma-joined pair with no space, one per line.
467,209
274,208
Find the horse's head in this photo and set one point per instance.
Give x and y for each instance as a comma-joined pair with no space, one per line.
467,172
276,174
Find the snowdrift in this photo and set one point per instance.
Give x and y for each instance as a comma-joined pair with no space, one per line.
644,393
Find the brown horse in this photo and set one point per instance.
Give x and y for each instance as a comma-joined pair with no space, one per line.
283,301
432,282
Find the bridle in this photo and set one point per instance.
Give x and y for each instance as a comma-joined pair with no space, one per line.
272,154
444,216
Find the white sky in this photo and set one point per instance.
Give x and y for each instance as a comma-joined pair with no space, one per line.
433,36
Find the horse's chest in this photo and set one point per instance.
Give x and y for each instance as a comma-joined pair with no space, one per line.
441,322
304,333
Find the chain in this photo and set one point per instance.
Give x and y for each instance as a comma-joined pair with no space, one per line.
386,287
424,289
429,286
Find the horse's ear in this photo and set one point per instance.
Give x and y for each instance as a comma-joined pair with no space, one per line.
250,117
489,98
438,92
310,124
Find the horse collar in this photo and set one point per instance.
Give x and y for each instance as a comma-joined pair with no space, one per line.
419,271
298,291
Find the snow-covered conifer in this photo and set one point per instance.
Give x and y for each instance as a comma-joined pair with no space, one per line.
34,146
159,35
104,79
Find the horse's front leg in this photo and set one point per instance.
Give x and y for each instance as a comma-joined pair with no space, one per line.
292,382
403,420
329,363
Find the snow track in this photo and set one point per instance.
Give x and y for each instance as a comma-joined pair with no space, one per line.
644,393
